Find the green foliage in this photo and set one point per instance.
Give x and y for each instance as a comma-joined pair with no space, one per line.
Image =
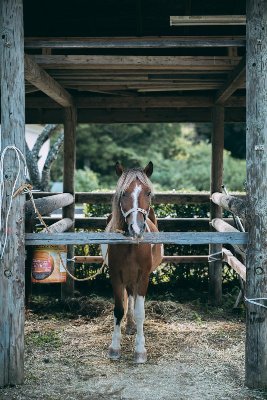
49,339
85,180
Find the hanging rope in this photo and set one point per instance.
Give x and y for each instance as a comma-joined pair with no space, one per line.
20,158
256,300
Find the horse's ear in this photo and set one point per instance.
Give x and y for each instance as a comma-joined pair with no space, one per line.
118,168
148,170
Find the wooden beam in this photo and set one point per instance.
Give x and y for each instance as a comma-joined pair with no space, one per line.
70,121
126,102
256,343
233,262
12,271
159,197
40,78
223,226
165,259
134,42
210,63
186,238
234,81
230,203
60,226
199,20
45,205
217,145
45,116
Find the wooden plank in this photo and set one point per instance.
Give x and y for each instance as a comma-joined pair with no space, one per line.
230,203
212,63
46,205
233,262
165,224
134,42
97,116
256,343
165,259
40,78
34,239
217,145
234,81
12,281
126,102
199,20
158,198
70,120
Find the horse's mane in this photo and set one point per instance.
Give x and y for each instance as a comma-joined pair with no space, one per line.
127,177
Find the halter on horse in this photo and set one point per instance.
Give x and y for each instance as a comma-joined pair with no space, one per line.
130,265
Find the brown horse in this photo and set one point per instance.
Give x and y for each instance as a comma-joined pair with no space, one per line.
131,264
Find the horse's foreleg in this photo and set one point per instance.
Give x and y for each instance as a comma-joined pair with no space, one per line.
139,313
130,323
115,348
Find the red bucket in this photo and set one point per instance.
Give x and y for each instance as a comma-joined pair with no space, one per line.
47,265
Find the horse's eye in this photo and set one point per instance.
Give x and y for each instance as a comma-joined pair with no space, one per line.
148,194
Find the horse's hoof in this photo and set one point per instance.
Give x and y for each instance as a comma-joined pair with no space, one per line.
130,329
114,354
140,358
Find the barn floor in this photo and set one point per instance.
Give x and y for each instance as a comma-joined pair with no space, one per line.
195,352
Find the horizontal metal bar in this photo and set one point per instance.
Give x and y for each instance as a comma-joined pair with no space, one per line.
118,238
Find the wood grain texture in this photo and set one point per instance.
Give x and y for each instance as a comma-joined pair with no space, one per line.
231,260
45,205
134,42
33,239
70,118
217,142
234,81
256,343
60,226
12,281
230,203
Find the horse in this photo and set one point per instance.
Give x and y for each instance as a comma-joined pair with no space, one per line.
131,264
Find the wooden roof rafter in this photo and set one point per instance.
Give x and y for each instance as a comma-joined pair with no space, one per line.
44,82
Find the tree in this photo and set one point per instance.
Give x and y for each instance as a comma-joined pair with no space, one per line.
41,180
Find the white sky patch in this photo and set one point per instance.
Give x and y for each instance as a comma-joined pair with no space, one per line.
135,196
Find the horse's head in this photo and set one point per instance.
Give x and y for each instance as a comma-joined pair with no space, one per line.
135,197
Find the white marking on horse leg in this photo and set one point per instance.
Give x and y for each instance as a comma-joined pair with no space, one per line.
115,348
135,196
104,251
139,313
130,323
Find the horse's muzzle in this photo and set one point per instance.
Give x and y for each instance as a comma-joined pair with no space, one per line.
136,231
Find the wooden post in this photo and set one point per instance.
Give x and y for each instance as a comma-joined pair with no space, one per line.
217,140
12,265
256,344
67,289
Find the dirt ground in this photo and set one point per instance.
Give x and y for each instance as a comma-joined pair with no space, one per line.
194,352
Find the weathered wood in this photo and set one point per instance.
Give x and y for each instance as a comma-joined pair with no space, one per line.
165,224
191,20
217,141
108,116
213,63
33,239
230,203
133,42
60,226
136,102
44,82
12,269
70,118
222,226
234,81
159,197
165,259
233,262
46,205
256,344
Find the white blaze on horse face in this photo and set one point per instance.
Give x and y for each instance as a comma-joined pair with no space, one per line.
139,314
135,195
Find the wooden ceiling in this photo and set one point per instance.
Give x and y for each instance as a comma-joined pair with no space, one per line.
128,61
